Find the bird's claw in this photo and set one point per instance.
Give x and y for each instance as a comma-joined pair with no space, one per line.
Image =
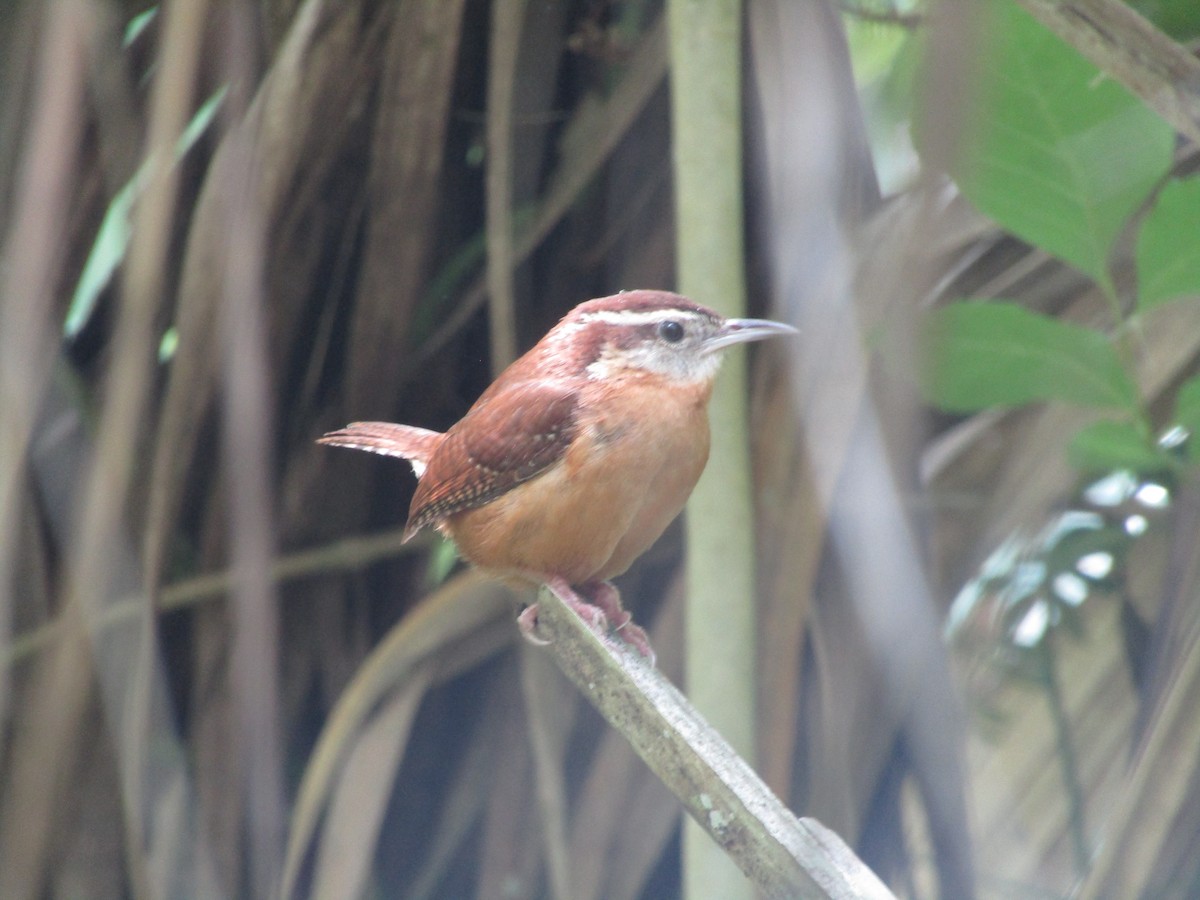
608,599
527,621
592,616
603,613
635,636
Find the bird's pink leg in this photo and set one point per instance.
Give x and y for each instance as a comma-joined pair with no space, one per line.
608,599
604,611
592,615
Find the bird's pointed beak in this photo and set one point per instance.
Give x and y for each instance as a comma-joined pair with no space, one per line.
741,331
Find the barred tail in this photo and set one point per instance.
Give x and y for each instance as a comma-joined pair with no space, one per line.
414,444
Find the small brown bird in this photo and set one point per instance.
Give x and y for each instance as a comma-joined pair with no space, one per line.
578,456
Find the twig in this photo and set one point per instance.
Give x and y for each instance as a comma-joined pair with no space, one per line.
783,855
348,554
1068,759
1131,50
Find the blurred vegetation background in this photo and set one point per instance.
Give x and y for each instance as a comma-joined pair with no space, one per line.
229,227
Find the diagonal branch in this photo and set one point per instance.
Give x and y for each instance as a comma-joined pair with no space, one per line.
783,855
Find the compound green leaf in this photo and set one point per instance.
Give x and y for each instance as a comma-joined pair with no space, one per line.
1187,414
1105,446
981,355
1168,256
1054,151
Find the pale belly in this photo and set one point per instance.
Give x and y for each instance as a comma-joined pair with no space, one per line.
588,517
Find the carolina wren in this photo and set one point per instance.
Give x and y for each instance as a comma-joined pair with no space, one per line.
575,460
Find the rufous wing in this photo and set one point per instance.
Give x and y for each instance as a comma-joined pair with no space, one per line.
506,438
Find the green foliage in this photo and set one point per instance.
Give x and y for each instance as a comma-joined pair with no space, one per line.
1000,354
885,57
1106,445
443,557
138,25
1178,18
1065,158
112,239
1055,152
108,251
1167,262
1187,413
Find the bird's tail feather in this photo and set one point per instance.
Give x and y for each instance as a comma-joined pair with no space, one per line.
405,441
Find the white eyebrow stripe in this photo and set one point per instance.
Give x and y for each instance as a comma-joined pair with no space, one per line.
638,316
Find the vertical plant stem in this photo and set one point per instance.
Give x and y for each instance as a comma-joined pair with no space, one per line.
127,665
546,738
1067,758
507,17
40,200
705,55
247,420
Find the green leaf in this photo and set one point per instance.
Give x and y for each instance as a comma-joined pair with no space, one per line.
1054,151
443,556
1187,414
1168,263
112,238
1178,18
1105,446
981,355
137,25
200,122
108,252
168,345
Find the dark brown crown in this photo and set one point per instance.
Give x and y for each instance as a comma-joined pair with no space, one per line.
640,301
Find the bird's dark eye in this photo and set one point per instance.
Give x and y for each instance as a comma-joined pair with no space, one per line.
671,332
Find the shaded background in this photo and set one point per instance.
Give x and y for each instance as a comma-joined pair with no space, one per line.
188,585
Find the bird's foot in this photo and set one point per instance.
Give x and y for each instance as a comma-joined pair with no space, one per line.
604,611
593,615
527,622
606,596
608,599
